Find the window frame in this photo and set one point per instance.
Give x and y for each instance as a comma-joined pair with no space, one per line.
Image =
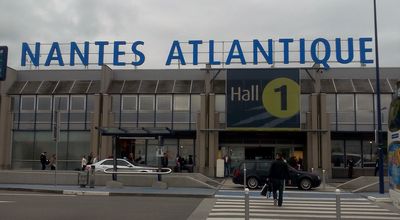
182,109
71,103
170,103
60,96
38,103
140,103
123,103
22,103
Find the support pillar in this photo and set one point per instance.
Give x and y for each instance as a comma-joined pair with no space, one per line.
5,132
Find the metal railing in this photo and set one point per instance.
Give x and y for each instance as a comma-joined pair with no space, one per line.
153,171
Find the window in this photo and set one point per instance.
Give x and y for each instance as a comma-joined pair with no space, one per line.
146,103
77,103
345,103
220,103
181,103
364,102
108,162
122,163
44,103
337,153
61,103
353,151
330,103
129,103
27,103
304,103
164,103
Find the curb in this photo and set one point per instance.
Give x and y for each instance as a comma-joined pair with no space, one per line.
375,199
85,193
54,191
104,193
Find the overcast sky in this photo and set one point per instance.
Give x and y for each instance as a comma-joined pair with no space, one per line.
159,22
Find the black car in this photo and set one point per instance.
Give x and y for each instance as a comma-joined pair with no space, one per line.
258,170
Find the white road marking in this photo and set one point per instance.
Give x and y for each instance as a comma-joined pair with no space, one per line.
299,208
7,201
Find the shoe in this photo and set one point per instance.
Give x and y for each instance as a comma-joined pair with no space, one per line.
275,202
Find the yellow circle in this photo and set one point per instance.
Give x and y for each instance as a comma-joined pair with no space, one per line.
281,97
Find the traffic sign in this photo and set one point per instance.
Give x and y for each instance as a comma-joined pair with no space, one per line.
3,62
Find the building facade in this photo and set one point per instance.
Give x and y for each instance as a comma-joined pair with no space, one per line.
338,119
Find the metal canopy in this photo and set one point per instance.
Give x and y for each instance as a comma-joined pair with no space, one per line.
135,132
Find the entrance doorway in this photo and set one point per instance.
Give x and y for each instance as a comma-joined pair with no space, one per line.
259,153
126,149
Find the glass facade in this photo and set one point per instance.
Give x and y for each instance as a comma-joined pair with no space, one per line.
33,116
362,152
175,111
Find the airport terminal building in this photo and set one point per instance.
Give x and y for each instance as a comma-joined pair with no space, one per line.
188,108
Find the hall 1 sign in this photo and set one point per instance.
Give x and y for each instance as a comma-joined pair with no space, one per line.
263,99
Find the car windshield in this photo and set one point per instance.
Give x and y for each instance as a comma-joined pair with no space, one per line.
122,163
107,162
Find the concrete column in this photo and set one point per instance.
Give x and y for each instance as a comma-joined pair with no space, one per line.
95,124
201,135
6,119
107,121
312,138
212,148
5,132
325,137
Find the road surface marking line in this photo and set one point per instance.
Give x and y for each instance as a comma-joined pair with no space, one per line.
297,216
284,210
305,208
302,202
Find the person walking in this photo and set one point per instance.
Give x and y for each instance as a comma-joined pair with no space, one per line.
164,160
227,165
83,163
43,160
53,161
279,171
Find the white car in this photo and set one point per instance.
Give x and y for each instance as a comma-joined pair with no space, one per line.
122,164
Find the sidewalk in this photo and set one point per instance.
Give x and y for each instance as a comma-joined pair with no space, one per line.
104,191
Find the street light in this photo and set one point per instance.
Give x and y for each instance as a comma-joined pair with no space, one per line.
378,106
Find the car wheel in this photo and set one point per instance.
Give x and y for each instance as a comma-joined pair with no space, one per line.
252,183
305,184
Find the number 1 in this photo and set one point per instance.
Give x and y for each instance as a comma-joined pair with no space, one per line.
283,91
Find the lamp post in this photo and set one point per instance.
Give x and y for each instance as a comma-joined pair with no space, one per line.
370,150
378,105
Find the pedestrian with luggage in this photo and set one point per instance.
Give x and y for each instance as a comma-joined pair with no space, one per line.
279,171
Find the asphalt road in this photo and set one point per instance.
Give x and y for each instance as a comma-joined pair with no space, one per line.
19,205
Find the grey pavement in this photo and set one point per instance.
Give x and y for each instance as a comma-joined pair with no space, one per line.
227,187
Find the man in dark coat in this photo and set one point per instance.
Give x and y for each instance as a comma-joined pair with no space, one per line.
278,173
43,160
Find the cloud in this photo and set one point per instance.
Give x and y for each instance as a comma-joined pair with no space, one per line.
158,22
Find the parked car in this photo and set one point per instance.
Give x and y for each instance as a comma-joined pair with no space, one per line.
257,172
121,164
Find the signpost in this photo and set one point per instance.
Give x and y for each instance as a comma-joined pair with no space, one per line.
3,62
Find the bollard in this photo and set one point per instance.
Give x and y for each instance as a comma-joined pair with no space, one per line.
312,169
337,204
246,204
244,176
92,176
323,179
